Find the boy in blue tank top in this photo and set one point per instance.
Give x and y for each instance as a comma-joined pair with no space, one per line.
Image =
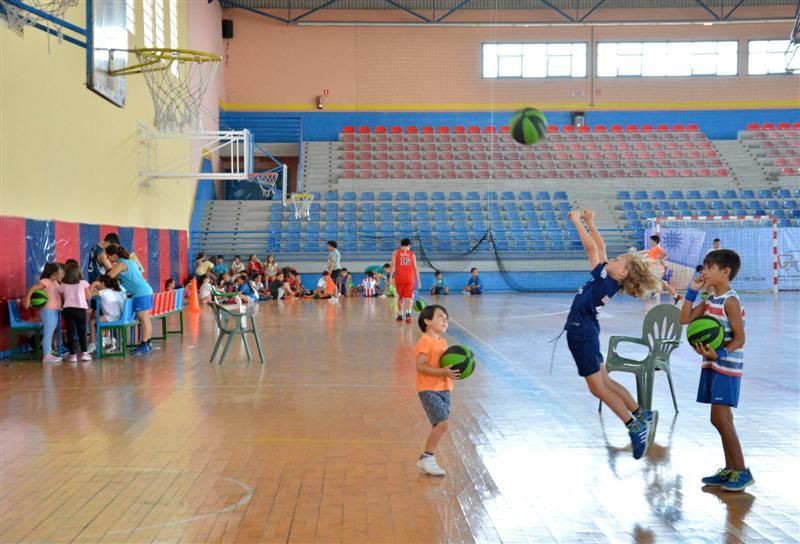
632,275
721,373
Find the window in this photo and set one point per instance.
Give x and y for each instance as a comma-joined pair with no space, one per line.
147,23
667,59
772,57
159,23
173,32
130,16
533,60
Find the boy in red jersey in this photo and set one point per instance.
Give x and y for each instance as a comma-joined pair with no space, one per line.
402,273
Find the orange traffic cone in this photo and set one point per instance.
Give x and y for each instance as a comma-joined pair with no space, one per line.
194,301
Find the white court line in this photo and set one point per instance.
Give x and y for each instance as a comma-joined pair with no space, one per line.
249,492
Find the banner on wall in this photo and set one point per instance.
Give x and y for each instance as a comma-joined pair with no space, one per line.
789,259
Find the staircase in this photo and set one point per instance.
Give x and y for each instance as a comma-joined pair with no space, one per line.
747,172
320,167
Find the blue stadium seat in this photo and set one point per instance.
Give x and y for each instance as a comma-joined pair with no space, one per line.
698,205
495,215
542,195
404,207
475,216
402,195
529,215
384,195
718,205
558,245
274,227
368,207
509,206
746,193
630,215
676,195
694,195
367,195
649,214
441,227
784,223
331,206
276,208
729,194
457,207
682,205
765,193
512,216
440,216
736,205
385,206
329,216
421,207
752,205
623,195
474,206
563,206
508,195
780,214
658,195
405,227
404,216
479,226
502,245
795,213
293,227
439,207
490,195
663,205
635,224
640,195
527,195
797,193
386,227
331,195
528,206
704,213
317,196
473,195
560,195
349,195
422,216
626,205
386,216
666,213
493,206
645,205
790,204
458,226
454,195
420,195
549,215
546,206
458,216
367,216
315,207
712,194
351,227
783,193
350,207
349,217
437,195
772,204
515,225
534,224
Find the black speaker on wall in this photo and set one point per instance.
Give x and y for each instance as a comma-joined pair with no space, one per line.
227,29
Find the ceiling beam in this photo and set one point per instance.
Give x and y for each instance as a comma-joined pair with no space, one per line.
585,15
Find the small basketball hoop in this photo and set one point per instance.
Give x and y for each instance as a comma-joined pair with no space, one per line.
266,182
302,205
177,79
18,18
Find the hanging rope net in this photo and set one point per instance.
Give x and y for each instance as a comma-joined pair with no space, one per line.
178,80
18,18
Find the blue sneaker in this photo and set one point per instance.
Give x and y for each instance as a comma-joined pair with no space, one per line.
718,478
143,349
738,480
651,419
639,436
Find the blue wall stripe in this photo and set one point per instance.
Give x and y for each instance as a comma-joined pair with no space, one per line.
90,235
153,260
40,247
126,237
317,126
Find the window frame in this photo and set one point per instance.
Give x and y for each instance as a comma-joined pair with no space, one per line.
597,59
522,77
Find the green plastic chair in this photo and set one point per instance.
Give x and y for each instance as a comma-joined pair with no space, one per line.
230,324
661,334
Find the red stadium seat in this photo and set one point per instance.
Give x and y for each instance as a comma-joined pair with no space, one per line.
363,129
752,126
662,128
796,125
616,129
552,128
505,129
427,129
380,129
600,128
443,130
568,128
412,130
678,128
584,128
396,130
768,126
633,128
474,130
458,129
784,126
721,172
349,129
489,130
693,127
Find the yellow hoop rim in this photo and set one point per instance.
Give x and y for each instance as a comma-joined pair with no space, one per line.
301,196
155,55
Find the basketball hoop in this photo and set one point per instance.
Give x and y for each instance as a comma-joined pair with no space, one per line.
266,182
302,205
177,79
18,17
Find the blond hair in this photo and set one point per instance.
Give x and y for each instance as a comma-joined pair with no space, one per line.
642,279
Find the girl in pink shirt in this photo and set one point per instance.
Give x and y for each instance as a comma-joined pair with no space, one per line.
77,293
49,282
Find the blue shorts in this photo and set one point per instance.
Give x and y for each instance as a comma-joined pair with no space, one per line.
436,405
142,303
716,388
585,348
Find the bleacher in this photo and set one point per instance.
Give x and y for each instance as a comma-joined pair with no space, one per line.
567,153
775,147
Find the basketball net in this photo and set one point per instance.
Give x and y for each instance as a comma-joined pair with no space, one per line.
302,205
18,17
266,182
178,80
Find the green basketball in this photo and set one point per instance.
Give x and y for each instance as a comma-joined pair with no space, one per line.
38,299
419,305
528,126
459,358
706,330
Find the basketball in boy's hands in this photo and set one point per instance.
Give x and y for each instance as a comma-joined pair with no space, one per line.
706,330
419,305
459,358
38,299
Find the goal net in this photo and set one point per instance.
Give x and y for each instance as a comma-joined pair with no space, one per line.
688,240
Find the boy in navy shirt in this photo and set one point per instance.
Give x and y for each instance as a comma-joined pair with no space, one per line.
632,275
474,285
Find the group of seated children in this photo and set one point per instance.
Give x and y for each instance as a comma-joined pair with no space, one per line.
285,283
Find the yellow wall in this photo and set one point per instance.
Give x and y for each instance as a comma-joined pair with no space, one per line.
68,154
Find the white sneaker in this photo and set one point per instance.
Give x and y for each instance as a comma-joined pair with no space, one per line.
50,358
86,356
428,465
91,347
72,358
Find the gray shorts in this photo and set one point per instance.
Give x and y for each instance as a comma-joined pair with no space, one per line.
436,405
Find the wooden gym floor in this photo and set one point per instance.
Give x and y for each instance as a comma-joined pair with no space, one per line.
320,444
